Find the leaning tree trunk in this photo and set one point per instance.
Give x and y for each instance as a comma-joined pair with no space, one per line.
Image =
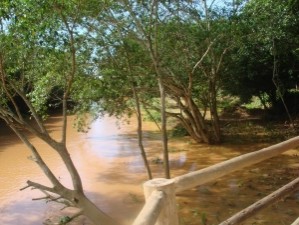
59,193
190,116
214,113
90,210
192,120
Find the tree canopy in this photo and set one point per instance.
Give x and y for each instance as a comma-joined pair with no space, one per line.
264,59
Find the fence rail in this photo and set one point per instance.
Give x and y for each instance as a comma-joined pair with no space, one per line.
160,207
151,210
264,202
296,222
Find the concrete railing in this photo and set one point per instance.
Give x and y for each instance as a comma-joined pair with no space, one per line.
160,202
161,208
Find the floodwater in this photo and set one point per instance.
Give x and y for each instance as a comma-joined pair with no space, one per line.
112,171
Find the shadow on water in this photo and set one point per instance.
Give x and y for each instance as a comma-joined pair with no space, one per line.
124,205
26,212
8,137
17,216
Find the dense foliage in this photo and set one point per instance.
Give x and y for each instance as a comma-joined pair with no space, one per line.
264,59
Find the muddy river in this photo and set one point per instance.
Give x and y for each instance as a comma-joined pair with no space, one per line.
112,171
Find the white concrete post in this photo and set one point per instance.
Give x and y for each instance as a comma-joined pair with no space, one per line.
169,214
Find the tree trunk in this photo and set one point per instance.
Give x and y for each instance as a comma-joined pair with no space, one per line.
75,197
214,113
196,120
91,211
140,134
66,158
164,129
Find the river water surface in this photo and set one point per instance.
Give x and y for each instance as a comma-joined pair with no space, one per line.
112,171
108,161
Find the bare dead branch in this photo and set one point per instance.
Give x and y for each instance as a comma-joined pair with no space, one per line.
40,186
56,199
21,189
41,198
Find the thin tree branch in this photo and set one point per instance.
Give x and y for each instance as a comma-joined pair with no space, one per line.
70,78
220,60
204,55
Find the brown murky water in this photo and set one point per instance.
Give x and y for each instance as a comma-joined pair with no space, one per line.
112,172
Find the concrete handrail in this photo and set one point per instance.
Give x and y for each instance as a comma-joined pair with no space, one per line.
211,173
163,213
296,222
160,207
244,214
151,210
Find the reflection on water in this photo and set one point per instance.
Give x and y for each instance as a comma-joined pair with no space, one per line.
109,162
